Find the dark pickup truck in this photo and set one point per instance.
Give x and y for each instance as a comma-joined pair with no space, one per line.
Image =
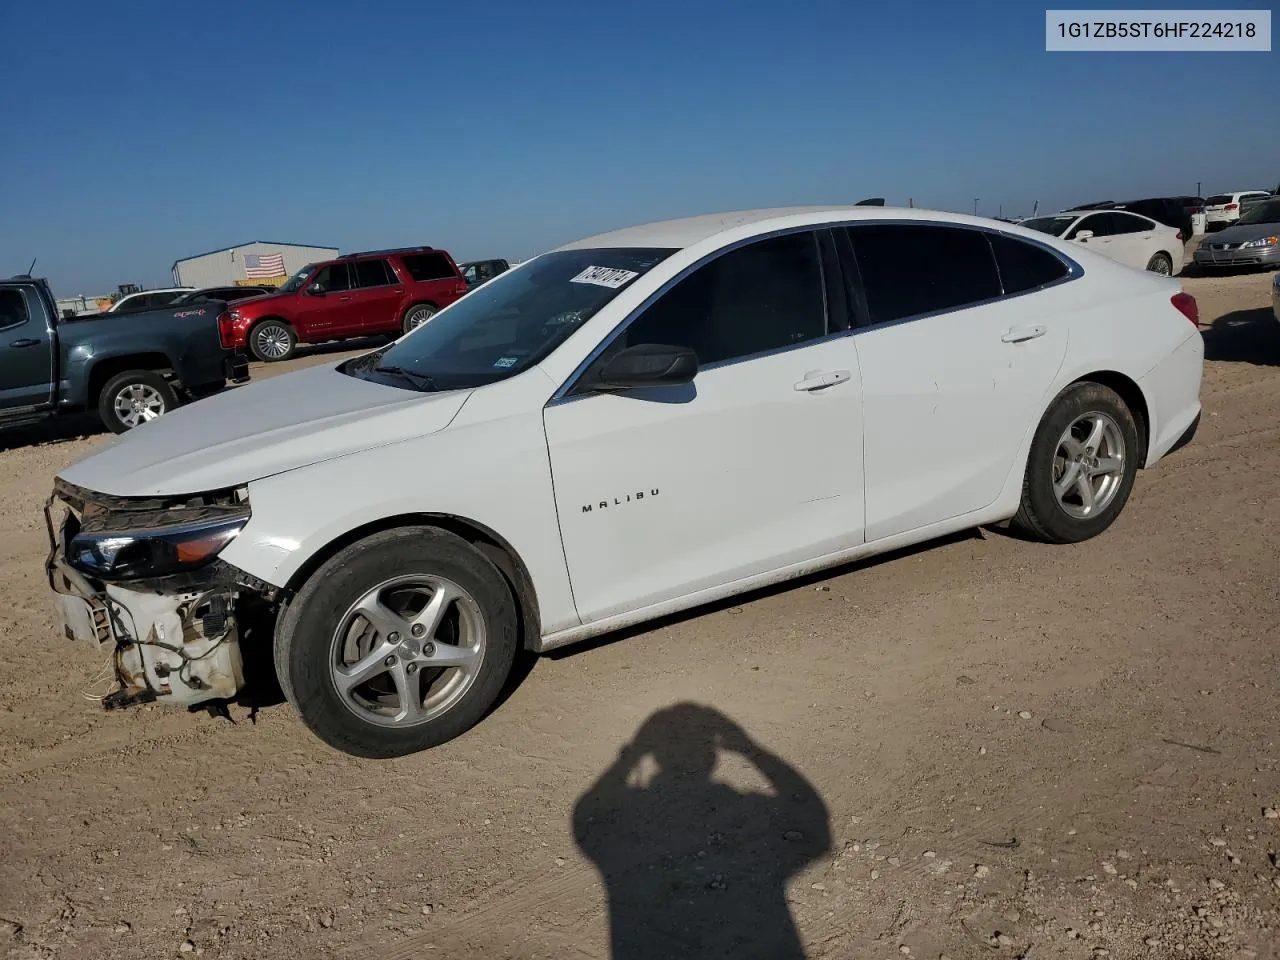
130,368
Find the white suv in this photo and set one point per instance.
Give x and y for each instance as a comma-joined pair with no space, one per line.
1224,208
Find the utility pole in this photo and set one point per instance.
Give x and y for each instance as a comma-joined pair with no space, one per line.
1001,213
975,206
1198,193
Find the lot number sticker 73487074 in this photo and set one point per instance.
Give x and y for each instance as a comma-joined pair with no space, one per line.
611,277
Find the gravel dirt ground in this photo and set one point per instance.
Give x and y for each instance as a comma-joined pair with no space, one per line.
981,748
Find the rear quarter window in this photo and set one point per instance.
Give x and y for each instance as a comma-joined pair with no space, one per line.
1024,266
428,266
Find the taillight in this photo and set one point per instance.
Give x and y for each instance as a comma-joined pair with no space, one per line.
1195,210
1187,306
226,332
461,288
1231,206
1180,236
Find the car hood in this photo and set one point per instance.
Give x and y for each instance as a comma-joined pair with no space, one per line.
265,428
1244,232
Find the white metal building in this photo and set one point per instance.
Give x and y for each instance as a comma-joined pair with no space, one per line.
266,262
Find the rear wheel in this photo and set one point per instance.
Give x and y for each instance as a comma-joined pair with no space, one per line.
272,341
398,643
1161,264
1081,468
417,315
134,397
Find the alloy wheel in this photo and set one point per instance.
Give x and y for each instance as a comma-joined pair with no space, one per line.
1088,465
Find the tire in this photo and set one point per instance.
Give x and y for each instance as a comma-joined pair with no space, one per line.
272,341
416,316
1161,264
314,646
1079,409
134,397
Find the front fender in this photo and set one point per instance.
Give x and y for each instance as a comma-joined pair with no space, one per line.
495,474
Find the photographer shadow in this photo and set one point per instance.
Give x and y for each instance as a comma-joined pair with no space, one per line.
694,866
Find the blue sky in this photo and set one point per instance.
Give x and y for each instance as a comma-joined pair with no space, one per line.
140,133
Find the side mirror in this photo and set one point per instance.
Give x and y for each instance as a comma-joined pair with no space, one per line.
647,365
1083,235
316,290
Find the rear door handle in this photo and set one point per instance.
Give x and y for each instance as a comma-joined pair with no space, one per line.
25,342
344,299
1019,334
816,380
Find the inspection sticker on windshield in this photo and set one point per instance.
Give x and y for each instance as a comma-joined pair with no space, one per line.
611,277
504,362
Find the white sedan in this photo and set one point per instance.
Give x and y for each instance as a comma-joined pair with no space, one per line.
1134,240
625,427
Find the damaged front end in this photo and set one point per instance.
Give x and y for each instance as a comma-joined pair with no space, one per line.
142,575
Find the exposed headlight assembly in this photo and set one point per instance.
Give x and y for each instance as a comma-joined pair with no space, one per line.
1261,242
113,538
151,553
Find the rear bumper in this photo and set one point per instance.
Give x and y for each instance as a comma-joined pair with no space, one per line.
1172,392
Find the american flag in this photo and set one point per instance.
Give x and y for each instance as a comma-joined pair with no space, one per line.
264,266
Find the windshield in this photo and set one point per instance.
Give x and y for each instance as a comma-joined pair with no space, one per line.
508,324
1054,226
295,282
1266,212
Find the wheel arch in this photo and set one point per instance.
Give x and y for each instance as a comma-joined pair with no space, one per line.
1133,397
255,324
104,368
484,539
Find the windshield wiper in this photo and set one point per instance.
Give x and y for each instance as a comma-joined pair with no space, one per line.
419,381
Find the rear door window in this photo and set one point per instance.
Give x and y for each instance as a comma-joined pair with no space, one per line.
372,273
913,269
428,266
1127,223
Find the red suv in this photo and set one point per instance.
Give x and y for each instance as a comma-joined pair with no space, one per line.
358,295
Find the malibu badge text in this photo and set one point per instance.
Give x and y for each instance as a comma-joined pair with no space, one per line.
619,501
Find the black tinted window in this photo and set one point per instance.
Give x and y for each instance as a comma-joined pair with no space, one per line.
909,269
334,277
1120,223
1024,266
1099,224
428,266
760,297
372,273
13,308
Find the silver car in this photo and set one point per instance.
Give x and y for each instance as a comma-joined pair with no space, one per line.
1254,240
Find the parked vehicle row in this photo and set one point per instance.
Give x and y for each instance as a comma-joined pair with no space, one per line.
129,368
628,426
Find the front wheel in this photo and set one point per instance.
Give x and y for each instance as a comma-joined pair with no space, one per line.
417,315
399,642
134,397
1081,468
272,341
1161,264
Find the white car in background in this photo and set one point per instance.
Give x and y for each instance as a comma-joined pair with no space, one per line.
620,429
1132,239
1223,209
147,300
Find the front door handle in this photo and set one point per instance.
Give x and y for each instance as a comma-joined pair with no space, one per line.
26,342
816,380
1020,334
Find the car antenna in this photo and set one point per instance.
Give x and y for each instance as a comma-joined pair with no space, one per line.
32,267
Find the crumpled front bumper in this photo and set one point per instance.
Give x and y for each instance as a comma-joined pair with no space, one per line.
173,640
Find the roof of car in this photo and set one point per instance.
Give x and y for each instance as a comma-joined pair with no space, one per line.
687,231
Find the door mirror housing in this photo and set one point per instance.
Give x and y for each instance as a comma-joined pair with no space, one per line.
315,290
647,365
1083,235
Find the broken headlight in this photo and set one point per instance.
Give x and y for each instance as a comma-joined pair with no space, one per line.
137,554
